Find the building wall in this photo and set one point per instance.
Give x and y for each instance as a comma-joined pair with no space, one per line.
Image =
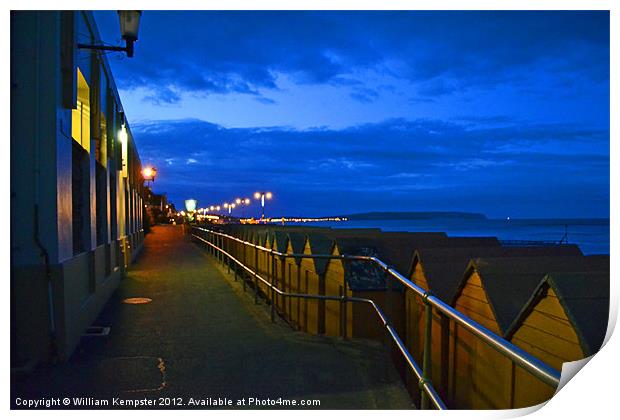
57,287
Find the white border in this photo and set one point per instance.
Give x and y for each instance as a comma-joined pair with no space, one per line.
592,393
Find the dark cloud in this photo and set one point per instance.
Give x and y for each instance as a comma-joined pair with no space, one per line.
242,52
414,162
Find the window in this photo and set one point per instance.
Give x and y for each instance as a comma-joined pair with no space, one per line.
80,117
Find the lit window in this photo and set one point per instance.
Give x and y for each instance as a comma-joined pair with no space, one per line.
102,146
80,117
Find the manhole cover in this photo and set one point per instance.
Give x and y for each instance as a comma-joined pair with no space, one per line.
137,300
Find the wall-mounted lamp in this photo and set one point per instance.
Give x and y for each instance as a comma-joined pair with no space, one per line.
130,23
122,135
148,173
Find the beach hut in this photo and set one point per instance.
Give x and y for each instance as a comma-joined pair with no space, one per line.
493,292
367,280
278,242
311,281
564,320
292,279
440,271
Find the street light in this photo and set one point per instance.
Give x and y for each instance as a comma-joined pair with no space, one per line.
229,207
243,202
190,205
130,23
262,195
148,173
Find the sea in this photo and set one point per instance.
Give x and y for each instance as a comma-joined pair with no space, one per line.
591,235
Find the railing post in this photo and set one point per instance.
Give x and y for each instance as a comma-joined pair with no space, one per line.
426,359
227,241
235,264
285,300
388,313
343,310
273,290
256,275
245,261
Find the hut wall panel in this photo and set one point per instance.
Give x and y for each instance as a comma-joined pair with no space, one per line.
553,325
312,284
334,281
263,269
286,284
492,380
280,281
293,286
480,377
477,309
412,341
463,361
311,307
557,346
529,390
546,333
366,324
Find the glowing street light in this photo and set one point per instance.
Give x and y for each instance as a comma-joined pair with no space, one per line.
190,205
243,202
149,173
229,207
262,195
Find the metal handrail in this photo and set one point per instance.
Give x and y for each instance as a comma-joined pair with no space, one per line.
424,382
528,362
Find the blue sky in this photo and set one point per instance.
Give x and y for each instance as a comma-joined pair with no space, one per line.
504,113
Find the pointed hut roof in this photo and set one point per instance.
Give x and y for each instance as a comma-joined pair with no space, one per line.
444,267
280,239
585,299
394,248
320,244
509,282
297,241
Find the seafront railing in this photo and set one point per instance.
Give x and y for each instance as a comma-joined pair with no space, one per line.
220,243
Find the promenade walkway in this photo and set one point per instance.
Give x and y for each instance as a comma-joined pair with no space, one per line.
202,337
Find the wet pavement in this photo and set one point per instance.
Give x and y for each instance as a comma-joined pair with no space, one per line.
201,342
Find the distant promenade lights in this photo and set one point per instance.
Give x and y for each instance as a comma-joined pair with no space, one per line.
243,202
229,207
262,195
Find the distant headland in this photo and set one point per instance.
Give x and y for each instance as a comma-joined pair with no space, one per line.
413,215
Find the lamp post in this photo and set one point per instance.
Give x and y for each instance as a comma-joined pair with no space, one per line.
243,202
130,23
229,207
262,195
